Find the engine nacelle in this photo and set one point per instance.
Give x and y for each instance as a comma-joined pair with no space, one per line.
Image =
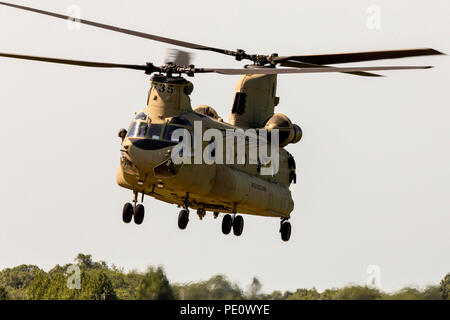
288,132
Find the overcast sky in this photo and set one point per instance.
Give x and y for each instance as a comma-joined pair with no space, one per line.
373,166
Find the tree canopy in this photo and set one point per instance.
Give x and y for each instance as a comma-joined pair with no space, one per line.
87,279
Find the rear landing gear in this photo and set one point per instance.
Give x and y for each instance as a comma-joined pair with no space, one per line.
227,223
237,223
183,219
285,230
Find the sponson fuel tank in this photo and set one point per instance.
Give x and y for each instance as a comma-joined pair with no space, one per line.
251,193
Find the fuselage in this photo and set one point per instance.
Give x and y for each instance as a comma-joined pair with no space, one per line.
235,186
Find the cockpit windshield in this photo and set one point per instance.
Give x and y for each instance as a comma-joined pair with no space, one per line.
141,116
174,124
138,129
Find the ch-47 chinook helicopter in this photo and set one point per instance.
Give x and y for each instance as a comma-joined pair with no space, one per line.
146,166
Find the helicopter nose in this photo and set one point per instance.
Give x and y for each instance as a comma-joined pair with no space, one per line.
146,154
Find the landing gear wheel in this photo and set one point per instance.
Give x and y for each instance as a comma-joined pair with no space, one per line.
183,219
127,213
227,223
139,212
285,231
238,225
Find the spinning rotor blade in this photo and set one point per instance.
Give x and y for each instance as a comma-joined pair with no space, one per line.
260,60
76,62
149,68
305,70
295,64
122,30
358,56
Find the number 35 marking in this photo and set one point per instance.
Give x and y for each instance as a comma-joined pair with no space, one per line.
162,88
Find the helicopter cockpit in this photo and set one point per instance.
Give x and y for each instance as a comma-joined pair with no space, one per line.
141,128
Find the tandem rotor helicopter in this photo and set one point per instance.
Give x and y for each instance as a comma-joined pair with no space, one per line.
146,166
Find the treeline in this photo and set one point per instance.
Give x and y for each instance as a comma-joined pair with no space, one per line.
95,280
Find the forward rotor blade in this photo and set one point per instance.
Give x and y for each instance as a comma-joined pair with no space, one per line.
122,30
295,64
75,62
359,56
305,70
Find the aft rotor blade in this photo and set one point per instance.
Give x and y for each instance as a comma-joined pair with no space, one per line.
305,70
75,62
296,64
123,30
359,56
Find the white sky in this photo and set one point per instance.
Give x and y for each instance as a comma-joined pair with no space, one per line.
373,173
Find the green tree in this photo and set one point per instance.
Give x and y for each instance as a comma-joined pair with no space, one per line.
16,280
85,261
216,288
305,294
351,293
3,293
276,295
407,293
445,287
155,286
98,286
432,293
37,290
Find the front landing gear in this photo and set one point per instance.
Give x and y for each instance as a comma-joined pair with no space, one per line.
127,213
131,212
139,213
134,211
285,230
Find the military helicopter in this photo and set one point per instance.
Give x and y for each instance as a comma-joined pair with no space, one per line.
146,166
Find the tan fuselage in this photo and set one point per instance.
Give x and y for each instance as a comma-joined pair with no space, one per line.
146,165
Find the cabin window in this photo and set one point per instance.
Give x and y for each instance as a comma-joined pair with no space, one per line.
169,131
181,121
239,103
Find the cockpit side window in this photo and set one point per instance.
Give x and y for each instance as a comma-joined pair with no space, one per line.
174,124
168,132
155,131
181,121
